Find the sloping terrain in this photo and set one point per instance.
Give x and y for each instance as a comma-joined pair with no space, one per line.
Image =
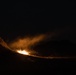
11,63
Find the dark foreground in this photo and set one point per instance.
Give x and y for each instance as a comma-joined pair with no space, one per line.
13,63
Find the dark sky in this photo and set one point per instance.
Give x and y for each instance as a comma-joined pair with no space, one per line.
29,18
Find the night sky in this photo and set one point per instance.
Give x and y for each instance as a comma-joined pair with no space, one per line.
32,18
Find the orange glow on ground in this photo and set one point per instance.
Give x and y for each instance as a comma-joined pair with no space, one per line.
24,52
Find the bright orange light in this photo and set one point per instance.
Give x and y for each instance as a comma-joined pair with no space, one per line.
24,52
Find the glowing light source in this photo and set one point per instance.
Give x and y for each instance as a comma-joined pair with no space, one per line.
24,52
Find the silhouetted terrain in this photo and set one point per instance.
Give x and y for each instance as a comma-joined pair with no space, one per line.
58,48
11,62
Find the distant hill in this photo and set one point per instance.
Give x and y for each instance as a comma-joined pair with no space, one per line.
58,48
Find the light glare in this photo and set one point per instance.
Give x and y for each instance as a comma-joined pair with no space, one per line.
24,52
